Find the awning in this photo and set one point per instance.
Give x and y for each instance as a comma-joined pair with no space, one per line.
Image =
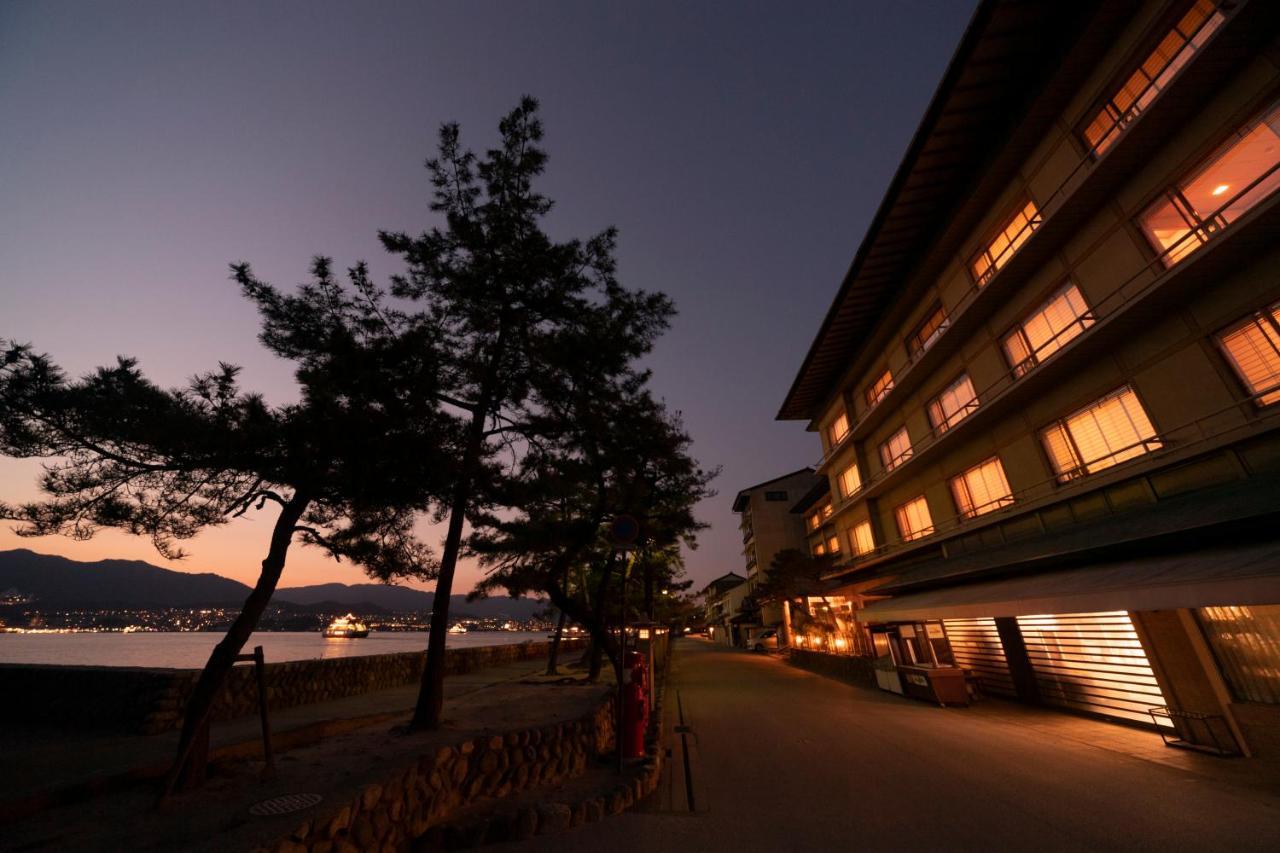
1221,576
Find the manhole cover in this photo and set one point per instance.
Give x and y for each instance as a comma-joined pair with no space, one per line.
284,805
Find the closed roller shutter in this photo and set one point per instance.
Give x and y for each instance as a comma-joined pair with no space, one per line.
976,646
1091,662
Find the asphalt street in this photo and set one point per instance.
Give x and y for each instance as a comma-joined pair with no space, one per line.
782,760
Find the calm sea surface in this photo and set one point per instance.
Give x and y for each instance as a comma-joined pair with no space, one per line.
191,650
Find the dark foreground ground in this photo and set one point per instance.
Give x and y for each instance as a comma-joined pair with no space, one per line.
782,760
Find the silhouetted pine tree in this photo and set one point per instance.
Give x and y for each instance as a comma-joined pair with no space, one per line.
349,466
508,305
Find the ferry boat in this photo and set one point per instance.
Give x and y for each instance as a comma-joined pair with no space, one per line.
457,628
346,627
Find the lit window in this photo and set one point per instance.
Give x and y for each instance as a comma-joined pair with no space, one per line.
1007,240
1102,434
815,521
861,540
981,489
953,405
1062,317
1244,171
913,519
896,450
838,429
819,549
878,389
827,509
850,482
1253,348
1153,75
929,330
833,545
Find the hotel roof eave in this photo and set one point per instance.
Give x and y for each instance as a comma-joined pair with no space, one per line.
996,27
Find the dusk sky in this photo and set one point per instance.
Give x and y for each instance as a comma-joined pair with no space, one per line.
741,149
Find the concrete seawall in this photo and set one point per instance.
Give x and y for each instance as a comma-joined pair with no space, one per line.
151,701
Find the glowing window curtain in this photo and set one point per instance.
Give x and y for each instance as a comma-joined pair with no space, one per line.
1246,642
838,429
913,519
1103,434
928,331
861,540
1253,348
833,544
850,482
1245,171
1153,76
1062,317
877,390
953,405
896,449
1007,240
981,489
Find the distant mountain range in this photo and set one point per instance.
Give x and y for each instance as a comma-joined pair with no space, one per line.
59,582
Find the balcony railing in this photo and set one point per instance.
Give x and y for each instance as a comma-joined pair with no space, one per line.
1127,294
966,301
1183,440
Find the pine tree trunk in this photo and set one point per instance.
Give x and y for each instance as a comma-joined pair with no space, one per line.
189,764
554,657
600,620
426,714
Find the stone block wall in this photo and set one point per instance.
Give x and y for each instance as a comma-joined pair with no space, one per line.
402,811
151,701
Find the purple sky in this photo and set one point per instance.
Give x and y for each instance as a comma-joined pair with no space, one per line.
740,147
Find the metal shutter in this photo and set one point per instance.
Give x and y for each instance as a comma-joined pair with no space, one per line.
976,646
1091,662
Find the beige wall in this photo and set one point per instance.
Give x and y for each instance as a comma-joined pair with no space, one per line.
1171,362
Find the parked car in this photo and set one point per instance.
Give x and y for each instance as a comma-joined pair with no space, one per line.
765,641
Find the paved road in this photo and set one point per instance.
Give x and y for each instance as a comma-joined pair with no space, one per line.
786,760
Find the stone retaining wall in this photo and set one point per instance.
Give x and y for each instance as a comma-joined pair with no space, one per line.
151,701
402,810
855,670
417,808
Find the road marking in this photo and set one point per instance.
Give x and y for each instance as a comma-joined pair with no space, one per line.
684,731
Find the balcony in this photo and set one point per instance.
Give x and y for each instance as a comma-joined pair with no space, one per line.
1066,210
1113,319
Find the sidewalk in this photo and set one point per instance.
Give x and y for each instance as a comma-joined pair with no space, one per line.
40,764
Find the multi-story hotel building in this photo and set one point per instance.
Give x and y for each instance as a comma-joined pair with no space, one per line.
1048,389
769,526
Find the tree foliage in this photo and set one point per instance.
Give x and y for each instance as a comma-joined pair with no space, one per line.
350,465
527,327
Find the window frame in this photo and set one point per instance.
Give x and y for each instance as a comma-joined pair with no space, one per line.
918,345
989,238
1132,64
899,513
875,400
840,480
1203,229
967,409
975,509
1018,327
892,463
1265,314
834,441
852,535
1081,471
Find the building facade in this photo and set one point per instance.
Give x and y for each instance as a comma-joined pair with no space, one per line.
1048,389
721,601
769,526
